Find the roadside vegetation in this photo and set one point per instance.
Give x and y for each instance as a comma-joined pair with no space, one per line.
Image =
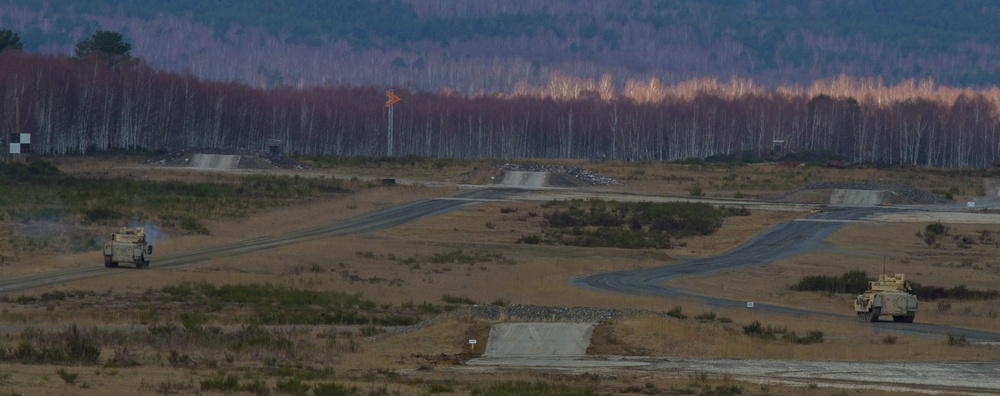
39,193
768,333
856,282
629,225
260,304
938,236
43,192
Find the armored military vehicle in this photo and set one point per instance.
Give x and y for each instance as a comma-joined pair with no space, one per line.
889,295
128,246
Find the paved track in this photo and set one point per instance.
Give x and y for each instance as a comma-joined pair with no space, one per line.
791,238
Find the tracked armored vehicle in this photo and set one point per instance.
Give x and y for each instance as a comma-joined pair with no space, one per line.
889,295
128,246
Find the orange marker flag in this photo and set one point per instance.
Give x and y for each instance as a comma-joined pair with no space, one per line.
392,98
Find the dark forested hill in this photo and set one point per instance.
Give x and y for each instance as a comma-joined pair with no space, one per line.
497,45
874,81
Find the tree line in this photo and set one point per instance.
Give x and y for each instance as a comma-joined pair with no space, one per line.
99,103
492,45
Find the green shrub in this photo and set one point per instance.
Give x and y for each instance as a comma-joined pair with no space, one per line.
853,282
370,330
67,377
812,337
936,229
434,388
457,300
257,387
725,390
334,389
765,333
72,346
706,316
530,239
178,359
519,388
221,382
677,312
192,321
292,386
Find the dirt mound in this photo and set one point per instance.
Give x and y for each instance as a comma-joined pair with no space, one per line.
895,194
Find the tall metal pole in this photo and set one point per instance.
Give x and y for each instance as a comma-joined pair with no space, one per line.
388,145
390,100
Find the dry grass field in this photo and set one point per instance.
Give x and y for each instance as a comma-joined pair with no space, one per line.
400,267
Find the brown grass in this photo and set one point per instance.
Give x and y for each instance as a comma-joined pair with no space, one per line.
534,274
843,340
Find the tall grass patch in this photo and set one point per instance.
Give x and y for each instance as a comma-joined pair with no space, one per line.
527,388
272,304
856,282
769,333
630,225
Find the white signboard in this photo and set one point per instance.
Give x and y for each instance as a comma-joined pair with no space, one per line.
972,204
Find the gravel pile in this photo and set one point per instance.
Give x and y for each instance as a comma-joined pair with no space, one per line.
585,176
282,161
275,160
903,194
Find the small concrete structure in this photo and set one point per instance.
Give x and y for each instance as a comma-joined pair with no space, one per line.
845,197
215,161
527,179
539,339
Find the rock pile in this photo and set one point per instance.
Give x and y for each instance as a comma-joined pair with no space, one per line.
584,176
539,313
